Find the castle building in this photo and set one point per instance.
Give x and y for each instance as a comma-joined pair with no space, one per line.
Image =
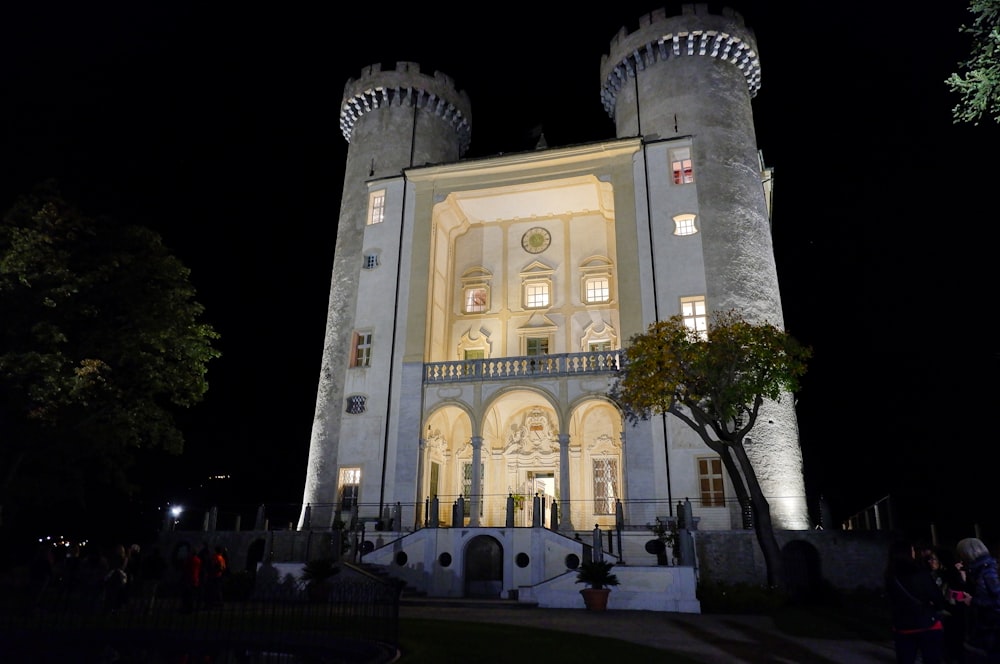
478,306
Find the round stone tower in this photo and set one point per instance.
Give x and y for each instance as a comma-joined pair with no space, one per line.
694,75
391,120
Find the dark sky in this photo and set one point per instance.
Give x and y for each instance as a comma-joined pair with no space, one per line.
219,128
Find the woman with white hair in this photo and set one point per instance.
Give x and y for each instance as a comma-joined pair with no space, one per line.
984,585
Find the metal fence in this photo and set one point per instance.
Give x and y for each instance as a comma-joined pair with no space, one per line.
354,620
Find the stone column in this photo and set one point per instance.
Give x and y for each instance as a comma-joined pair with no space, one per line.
566,515
475,496
417,517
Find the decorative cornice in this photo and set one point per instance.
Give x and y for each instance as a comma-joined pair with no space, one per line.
406,86
708,43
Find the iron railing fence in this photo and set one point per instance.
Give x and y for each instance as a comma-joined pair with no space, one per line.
74,621
408,516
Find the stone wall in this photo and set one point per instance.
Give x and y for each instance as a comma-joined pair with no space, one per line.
845,560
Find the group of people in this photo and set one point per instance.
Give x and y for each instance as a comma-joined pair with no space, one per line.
941,603
202,574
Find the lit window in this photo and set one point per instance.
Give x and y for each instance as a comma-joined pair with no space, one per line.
713,493
605,485
356,404
600,346
376,207
680,161
350,485
684,224
598,289
361,355
693,310
536,346
475,353
536,294
371,261
476,300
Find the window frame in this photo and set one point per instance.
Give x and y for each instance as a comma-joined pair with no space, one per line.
376,207
684,224
361,349
695,320
681,165
711,481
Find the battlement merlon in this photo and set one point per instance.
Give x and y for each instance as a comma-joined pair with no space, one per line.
696,31
376,88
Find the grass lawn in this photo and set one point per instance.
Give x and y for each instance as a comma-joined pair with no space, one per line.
442,641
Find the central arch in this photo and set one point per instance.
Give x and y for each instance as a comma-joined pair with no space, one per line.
483,567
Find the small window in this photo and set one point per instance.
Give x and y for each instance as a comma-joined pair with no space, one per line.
536,294
371,261
680,161
598,289
475,354
694,312
356,404
361,353
536,346
713,492
477,299
376,207
600,346
350,485
684,224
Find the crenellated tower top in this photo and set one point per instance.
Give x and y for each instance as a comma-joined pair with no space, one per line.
405,85
696,31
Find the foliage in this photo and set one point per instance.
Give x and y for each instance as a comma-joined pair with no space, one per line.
319,570
716,384
977,80
596,574
666,532
102,343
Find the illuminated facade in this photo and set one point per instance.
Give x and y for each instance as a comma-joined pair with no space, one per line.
477,306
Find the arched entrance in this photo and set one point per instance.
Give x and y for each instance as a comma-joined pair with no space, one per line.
483,567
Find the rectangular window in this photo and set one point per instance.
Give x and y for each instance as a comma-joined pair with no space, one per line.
536,295
536,346
376,207
599,346
693,310
350,486
476,300
713,493
680,161
475,354
361,353
598,289
605,485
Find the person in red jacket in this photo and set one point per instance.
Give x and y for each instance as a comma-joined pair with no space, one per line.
213,577
190,581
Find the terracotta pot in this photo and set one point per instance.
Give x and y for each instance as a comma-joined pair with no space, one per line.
596,599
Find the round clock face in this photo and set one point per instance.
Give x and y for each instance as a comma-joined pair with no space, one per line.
536,240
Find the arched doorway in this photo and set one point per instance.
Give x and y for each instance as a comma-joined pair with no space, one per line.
483,567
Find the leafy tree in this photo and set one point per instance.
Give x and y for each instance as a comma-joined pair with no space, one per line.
978,79
101,341
715,384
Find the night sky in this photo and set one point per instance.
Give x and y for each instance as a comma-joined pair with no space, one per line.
218,127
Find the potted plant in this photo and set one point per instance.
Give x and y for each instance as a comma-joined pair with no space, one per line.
598,577
666,542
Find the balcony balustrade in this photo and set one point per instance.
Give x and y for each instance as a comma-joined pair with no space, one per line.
520,367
